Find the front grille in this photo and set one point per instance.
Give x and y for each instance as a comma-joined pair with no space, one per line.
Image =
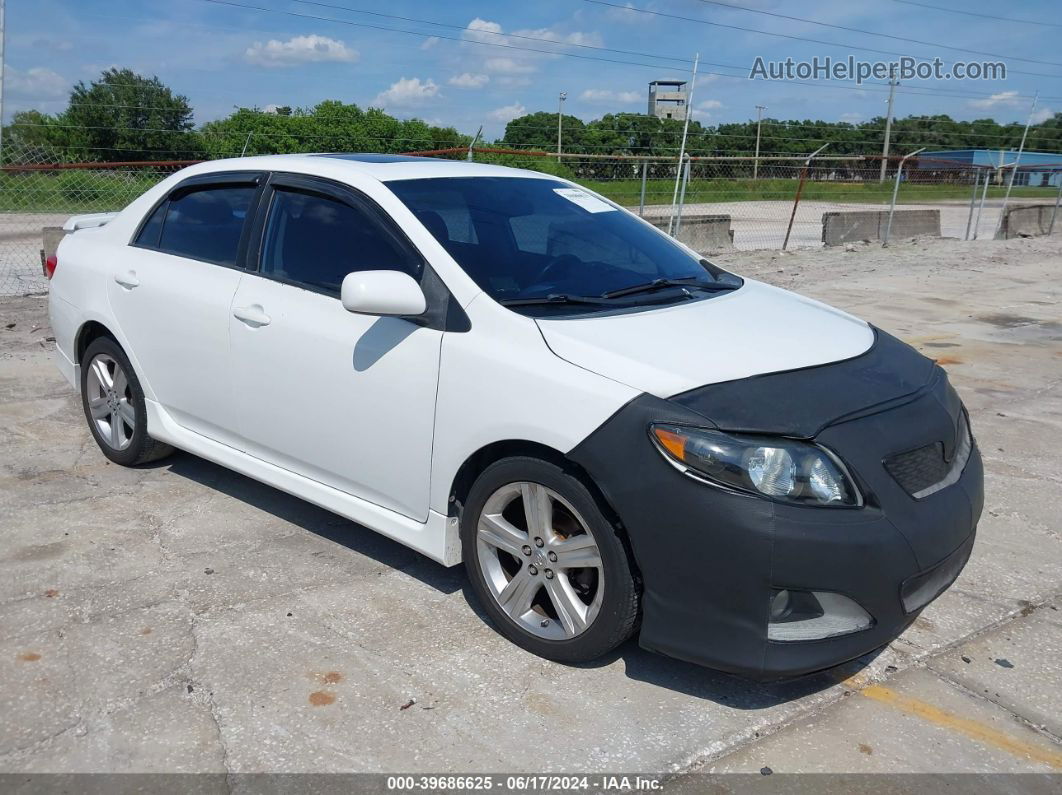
924,471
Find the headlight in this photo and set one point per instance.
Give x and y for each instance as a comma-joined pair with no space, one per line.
782,469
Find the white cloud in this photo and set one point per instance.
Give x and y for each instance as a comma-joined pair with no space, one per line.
299,49
627,15
508,66
37,82
852,117
709,104
606,96
489,32
507,113
1004,99
1042,115
429,42
469,80
576,37
406,93
482,30
510,81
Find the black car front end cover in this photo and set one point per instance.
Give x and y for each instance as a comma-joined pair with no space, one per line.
712,559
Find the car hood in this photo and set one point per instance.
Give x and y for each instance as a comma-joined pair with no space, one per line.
754,330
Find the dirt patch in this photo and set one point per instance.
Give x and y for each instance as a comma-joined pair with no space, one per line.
322,698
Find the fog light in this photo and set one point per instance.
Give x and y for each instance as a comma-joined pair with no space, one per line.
813,615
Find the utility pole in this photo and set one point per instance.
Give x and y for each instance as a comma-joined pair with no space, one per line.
888,125
759,118
3,37
560,116
472,145
1017,160
682,147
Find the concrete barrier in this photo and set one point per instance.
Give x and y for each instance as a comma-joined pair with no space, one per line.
51,236
703,233
852,226
1028,220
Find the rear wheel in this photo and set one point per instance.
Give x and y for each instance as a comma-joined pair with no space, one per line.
114,406
546,563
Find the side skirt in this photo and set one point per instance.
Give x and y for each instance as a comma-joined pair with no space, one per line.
438,538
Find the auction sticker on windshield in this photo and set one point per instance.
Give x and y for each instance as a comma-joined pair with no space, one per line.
589,203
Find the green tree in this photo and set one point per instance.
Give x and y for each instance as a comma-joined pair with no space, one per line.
538,131
331,126
125,116
121,116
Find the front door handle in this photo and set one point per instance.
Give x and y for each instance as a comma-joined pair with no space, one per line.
128,279
252,315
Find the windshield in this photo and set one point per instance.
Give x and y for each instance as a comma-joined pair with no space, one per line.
529,241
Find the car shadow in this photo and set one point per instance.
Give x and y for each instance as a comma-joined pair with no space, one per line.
638,664
703,683
725,689
320,522
383,336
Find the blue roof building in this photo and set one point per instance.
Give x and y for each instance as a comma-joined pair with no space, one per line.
1035,169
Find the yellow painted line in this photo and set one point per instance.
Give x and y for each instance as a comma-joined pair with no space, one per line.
973,729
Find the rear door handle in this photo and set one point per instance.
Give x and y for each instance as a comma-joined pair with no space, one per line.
128,279
252,315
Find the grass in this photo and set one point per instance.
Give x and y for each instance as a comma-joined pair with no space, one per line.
72,191
97,191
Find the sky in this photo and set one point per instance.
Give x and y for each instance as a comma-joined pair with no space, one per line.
483,63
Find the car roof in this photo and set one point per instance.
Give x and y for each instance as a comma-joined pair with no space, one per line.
382,167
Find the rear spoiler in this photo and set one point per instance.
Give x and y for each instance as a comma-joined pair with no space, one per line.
75,222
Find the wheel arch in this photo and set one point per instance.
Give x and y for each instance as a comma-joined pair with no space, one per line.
90,331
482,458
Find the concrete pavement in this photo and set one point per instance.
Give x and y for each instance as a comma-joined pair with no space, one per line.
181,617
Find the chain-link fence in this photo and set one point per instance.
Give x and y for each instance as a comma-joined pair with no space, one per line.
713,204
40,192
775,202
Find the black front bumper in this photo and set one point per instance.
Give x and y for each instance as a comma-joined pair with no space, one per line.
709,558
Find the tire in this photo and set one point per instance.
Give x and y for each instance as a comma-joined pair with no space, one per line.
118,404
505,564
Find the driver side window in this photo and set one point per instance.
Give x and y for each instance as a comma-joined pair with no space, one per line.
314,241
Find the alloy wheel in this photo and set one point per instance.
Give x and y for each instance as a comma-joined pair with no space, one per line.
110,401
540,561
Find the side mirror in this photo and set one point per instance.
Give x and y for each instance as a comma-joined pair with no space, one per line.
382,293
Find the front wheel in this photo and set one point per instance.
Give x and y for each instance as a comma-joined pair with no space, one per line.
545,562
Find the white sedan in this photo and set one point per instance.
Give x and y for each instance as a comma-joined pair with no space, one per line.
500,368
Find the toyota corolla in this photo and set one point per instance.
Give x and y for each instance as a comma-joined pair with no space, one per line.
497,367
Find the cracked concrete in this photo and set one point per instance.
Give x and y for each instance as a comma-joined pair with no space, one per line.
180,617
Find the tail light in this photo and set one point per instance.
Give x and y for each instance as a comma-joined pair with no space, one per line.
50,265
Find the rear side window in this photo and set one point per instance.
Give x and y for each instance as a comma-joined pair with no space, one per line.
152,228
205,224
315,241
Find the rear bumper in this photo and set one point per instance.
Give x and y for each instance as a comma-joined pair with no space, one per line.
70,371
710,558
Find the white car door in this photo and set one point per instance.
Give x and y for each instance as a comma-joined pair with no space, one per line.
345,399
171,292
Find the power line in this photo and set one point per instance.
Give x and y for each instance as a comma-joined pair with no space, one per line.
793,37
479,31
983,16
875,33
422,34
655,67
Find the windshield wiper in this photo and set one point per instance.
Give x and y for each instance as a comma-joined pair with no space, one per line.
659,284
555,298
